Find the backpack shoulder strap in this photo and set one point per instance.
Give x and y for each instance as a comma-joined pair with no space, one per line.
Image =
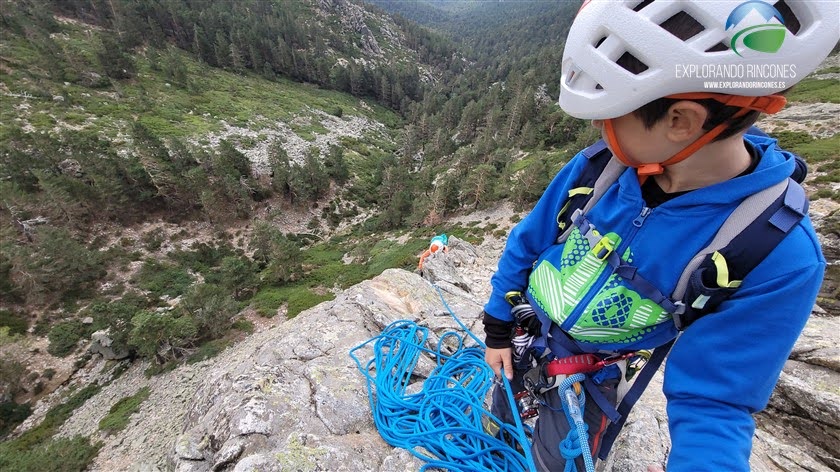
750,233
600,171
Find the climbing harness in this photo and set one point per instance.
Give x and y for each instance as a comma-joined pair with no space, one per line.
713,275
441,423
545,373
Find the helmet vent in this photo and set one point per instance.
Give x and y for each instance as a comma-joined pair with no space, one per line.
642,5
683,26
718,48
631,63
598,43
791,21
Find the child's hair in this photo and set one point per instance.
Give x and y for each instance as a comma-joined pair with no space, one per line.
683,26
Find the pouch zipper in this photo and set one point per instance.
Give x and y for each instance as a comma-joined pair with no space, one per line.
584,302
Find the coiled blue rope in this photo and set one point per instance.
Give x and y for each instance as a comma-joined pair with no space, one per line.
442,423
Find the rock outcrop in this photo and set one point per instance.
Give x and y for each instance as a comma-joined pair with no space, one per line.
291,398
298,402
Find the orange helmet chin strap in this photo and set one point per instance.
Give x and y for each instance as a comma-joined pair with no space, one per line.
768,104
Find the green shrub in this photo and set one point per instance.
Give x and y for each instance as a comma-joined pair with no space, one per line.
39,436
163,279
161,336
119,414
819,150
11,415
297,298
59,267
116,318
208,350
64,336
238,275
243,325
792,139
202,257
17,323
815,91
57,455
268,300
302,299
390,254
153,240
211,308
42,327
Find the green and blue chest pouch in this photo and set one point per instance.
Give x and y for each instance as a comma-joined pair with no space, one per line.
575,286
589,285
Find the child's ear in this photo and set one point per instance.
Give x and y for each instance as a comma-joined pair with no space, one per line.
685,121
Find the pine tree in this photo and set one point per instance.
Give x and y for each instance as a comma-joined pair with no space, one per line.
116,62
221,49
336,166
479,186
211,309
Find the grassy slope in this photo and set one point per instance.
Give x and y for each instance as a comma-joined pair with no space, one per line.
198,107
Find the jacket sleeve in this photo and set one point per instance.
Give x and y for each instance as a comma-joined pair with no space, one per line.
724,367
529,239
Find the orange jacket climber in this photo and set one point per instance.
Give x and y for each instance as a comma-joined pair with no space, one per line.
438,243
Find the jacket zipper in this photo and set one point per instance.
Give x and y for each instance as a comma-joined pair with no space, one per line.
596,287
640,220
637,225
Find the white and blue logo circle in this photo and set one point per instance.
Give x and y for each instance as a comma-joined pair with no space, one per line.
755,26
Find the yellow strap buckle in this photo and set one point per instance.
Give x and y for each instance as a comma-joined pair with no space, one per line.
723,272
603,248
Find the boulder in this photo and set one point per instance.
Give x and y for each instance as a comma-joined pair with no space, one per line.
101,343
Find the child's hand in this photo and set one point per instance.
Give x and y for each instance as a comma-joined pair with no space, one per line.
655,468
500,359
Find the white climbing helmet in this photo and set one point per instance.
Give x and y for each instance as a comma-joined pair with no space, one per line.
749,48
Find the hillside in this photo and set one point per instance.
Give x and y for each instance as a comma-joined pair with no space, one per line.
175,205
178,176
284,399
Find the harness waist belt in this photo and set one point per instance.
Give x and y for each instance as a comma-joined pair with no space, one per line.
581,364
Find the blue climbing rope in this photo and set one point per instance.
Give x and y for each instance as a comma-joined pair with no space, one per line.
442,422
576,443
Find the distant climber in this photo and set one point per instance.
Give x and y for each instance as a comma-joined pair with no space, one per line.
438,243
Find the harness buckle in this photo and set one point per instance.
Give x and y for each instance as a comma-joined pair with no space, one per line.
679,316
616,359
537,379
603,248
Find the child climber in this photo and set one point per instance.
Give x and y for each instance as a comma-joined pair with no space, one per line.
640,71
438,243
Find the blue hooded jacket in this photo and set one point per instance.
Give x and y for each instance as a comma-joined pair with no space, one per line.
724,367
